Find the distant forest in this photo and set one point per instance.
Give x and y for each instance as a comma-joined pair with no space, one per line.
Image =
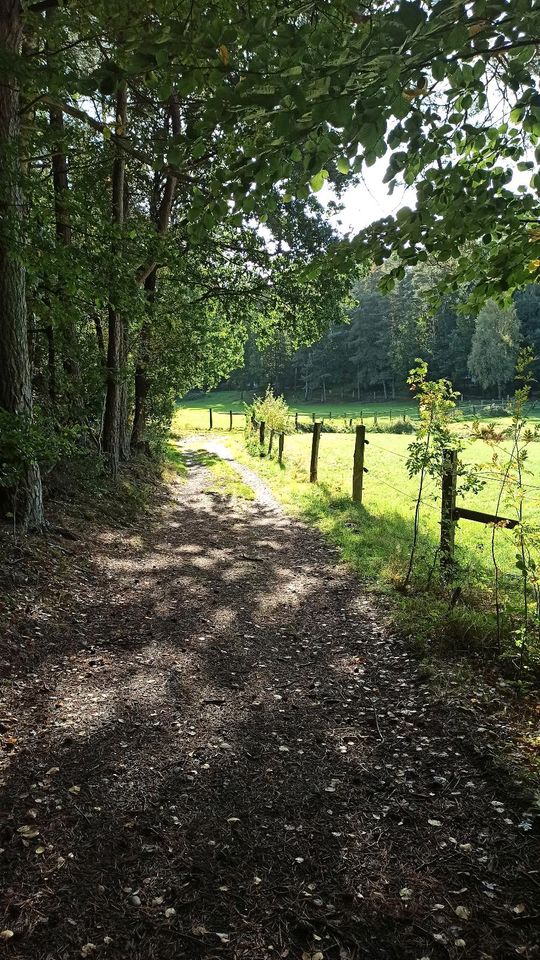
382,334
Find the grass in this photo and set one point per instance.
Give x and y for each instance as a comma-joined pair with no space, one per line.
193,415
375,538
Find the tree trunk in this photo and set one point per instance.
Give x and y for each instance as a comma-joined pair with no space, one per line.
15,380
142,384
117,343
148,275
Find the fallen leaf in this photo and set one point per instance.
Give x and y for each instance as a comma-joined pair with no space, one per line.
519,908
405,893
74,789
463,913
224,937
52,770
28,832
88,949
233,819
170,912
39,850
435,823
6,934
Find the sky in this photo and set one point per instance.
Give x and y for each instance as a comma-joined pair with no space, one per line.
368,201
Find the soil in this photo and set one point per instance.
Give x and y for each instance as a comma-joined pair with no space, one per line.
214,746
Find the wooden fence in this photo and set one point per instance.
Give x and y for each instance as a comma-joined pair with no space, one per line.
450,513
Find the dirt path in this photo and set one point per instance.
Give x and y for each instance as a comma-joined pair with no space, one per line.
220,752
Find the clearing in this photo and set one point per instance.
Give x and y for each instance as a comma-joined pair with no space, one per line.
214,747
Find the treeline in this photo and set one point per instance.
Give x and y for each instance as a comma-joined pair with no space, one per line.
373,352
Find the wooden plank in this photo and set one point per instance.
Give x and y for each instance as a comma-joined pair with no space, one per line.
461,513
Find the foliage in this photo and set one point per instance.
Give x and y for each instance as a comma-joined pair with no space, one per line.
273,411
25,441
494,346
374,351
510,469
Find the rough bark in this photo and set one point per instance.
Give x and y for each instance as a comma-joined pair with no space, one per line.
15,378
147,274
117,341
142,383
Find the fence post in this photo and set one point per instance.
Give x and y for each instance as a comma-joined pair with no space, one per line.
281,441
253,422
315,452
271,441
448,503
296,420
230,419
358,463
211,419
261,436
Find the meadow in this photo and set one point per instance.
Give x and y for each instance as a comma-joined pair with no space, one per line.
375,538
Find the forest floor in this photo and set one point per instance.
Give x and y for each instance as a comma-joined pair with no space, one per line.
213,746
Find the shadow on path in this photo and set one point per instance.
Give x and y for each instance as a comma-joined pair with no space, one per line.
226,755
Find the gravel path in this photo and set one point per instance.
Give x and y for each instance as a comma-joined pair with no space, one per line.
222,752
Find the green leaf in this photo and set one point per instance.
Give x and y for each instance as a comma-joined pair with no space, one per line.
317,182
343,165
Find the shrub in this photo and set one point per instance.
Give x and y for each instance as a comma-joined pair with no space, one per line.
271,410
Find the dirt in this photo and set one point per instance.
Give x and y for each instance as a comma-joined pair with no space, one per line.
213,746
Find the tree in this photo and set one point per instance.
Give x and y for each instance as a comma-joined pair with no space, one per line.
494,346
15,380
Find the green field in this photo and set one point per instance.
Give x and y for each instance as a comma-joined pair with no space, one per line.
375,538
193,413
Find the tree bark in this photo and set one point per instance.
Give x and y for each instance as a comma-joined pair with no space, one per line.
59,165
117,342
147,274
142,384
15,377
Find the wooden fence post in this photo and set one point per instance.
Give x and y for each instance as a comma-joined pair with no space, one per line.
230,419
448,505
296,420
281,441
315,452
358,463
211,419
271,441
261,436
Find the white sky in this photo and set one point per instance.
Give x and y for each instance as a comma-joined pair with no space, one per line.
368,201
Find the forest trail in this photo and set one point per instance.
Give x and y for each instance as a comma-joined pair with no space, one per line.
224,753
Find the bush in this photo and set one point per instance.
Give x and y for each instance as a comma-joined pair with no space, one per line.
271,410
396,426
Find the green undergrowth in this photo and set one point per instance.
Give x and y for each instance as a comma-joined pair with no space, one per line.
82,488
